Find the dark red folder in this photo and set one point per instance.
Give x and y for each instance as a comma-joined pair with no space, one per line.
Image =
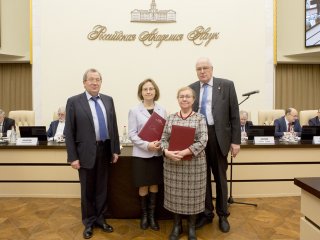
181,138
153,128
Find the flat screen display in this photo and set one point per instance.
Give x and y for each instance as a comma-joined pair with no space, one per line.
34,131
260,130
307,132
312,25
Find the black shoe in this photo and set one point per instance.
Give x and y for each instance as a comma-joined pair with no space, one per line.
88,232
202,220
224,224
105,227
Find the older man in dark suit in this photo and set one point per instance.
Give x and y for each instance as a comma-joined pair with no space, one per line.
216,98
316,120
92,143
5,123
56,128
244,123
288,123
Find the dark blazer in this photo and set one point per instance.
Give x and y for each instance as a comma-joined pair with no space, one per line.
225,111
281,127
53,128
7,124
80,133
314,121
247,125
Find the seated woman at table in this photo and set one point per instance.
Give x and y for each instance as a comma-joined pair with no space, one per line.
185,180
147,156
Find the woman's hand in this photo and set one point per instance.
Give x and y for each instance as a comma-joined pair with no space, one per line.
154,146
173,155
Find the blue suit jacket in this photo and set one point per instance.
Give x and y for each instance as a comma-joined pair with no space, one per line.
314,121
7,124
281,127
247,125
53,128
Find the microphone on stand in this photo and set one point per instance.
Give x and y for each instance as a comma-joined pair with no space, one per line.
250,93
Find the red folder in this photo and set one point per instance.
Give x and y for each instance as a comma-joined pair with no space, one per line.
181,138
153,128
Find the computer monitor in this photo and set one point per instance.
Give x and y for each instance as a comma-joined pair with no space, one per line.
34,131
260,130
307,133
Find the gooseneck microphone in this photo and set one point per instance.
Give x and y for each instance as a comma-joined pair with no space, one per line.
250,93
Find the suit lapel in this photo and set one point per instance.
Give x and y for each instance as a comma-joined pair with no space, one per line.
216,90
143,110
109,111
196,102
85,105
157,109
56,123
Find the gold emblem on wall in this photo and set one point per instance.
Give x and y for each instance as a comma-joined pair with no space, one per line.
153,15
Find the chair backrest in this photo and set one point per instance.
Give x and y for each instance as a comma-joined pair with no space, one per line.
267,117
22,117
306,115
249,116
55,116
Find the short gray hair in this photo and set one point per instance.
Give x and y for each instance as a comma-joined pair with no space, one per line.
243,112
90,70
62,109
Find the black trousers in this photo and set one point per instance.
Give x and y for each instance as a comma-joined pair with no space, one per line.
217,163
94,184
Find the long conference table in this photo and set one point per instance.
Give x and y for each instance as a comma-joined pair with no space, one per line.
258,171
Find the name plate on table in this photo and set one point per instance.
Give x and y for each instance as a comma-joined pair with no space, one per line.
316,140
264,140
27,141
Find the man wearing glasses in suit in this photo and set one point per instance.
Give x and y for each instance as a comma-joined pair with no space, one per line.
92,142
216,98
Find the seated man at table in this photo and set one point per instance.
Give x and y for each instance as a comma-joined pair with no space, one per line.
244,123
57,127
288,123
5,123
316,120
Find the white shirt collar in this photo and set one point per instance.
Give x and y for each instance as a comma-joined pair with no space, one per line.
210,83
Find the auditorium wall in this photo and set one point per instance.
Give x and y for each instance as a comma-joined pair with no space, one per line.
15,34
243,51
291,34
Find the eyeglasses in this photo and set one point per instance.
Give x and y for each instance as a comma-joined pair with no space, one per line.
200,69
92,80
148,89
184,96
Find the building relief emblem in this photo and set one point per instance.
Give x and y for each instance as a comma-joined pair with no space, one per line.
153,15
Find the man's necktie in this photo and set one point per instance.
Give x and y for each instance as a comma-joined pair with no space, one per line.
204,100
289,127
242,128
102,122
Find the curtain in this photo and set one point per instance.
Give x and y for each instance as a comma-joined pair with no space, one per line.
297,86
15,86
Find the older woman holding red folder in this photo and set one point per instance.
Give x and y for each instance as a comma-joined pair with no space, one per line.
185,180
147,157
